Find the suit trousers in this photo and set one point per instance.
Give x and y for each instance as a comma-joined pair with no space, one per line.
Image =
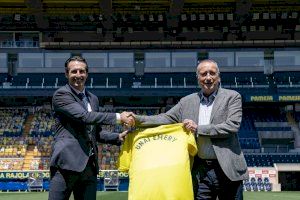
210,182
82,184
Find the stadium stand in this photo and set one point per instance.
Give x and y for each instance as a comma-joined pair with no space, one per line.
42,124
253,125
12,121
259,160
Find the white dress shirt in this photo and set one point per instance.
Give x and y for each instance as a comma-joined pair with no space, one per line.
205,148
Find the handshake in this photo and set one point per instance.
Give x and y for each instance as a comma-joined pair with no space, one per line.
128,119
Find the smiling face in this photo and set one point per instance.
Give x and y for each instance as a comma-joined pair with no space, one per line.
77,74
208,77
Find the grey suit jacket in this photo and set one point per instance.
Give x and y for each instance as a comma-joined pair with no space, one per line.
72,143
224,124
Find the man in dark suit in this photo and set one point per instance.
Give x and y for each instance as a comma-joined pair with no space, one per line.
74,160
214,115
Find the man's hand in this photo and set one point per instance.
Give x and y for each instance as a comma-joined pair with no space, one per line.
190,125
128,119
123,135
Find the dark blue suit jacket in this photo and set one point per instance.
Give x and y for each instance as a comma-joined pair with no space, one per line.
72,143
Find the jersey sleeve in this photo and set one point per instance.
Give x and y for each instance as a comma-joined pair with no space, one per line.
192,146
124,159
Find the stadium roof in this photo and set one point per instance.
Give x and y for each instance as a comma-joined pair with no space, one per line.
65,7
154,20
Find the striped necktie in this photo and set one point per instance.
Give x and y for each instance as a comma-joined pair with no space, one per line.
85,100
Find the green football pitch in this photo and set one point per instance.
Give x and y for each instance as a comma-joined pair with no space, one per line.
123,195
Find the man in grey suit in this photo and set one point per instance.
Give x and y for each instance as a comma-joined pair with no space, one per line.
214,115
74,160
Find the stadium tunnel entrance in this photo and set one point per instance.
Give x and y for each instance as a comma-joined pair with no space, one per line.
290,181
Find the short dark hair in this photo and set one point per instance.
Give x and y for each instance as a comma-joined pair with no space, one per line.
76,58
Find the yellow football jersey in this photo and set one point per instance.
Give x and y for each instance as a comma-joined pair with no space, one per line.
158,162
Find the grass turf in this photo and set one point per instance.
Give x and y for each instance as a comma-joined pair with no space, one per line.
123,195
